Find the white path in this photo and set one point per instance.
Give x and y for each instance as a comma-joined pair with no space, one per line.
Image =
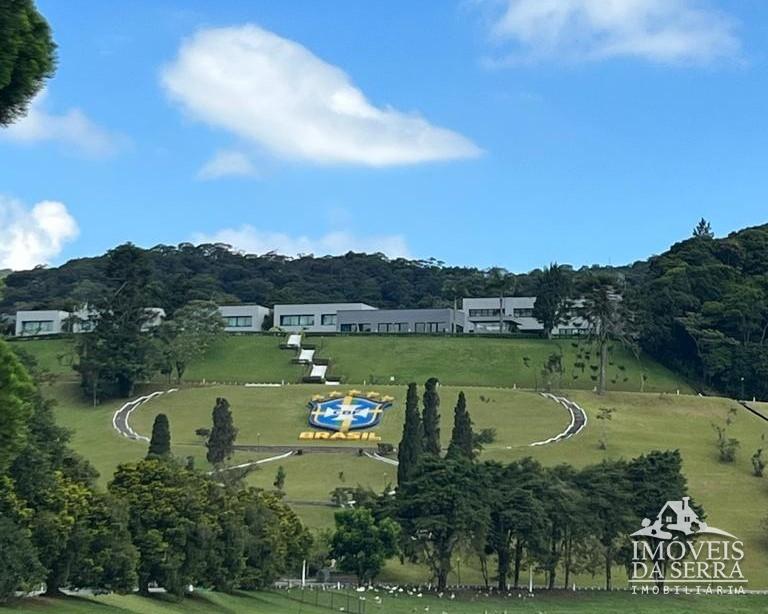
578,420
380,458
258,462
120,417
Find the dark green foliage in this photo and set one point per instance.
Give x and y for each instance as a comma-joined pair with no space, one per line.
703,230
160,442
441,509
553,294
27,57
462,437
221,441
412,443
16,392
20,569
279,482
361,544
118,352
431,417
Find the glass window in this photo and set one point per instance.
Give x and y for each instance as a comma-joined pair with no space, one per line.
37,326
347,328
436,327
297,320
364,328
483,313
239,321
522,313
328,319
421,327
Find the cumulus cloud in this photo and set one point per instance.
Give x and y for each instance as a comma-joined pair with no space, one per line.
29,237
228,163
664,31
276,94
254,241
73,129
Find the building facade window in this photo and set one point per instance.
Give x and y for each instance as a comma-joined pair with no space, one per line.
297,320
522,313
328,319
393,327
484,313
239,321
436,327
37,326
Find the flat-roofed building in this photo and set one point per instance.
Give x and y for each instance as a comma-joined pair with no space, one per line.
401,321
243,318
313,317
515,314
40,322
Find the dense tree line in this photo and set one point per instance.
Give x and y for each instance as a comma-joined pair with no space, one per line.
703,308
520,515
160,522
214,272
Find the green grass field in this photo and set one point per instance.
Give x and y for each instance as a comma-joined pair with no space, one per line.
733,499
461,361
381,602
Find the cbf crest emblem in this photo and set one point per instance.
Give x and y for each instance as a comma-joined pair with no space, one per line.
353,411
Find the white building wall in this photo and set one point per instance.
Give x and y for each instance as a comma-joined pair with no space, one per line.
243,318
43,322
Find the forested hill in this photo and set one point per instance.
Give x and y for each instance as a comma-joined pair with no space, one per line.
702,306
215,272
704,310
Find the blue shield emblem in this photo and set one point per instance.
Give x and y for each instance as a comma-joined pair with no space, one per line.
350,412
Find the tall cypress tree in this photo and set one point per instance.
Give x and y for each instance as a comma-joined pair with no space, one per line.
431,418
160,443
222,438
411,445
461,445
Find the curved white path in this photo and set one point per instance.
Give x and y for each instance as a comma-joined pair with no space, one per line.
121,416
577,424
252,463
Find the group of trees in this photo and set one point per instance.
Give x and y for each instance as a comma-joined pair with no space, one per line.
160,521
521,516
121,347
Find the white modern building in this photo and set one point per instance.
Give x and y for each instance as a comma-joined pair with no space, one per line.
243,318
314,317
36,323
515,313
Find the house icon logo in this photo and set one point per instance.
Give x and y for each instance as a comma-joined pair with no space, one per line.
677,552
677,519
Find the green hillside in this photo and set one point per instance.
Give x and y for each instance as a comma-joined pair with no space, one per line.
462,361
381,602
731,496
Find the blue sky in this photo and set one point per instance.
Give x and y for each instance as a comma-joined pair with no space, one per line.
478,132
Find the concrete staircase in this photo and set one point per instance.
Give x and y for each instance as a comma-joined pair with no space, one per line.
306,355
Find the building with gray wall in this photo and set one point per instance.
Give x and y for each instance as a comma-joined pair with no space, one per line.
516,315
401,321
314,317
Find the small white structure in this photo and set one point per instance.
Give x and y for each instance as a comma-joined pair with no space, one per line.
306,356
294,341
318,371
45,322
243,318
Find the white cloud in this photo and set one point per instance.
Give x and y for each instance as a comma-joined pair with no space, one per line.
254,241
228,163
276,94
664,31
73,129
29,237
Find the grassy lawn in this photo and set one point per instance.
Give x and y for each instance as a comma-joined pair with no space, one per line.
53,355
382,602
483,362
278,415
461,361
